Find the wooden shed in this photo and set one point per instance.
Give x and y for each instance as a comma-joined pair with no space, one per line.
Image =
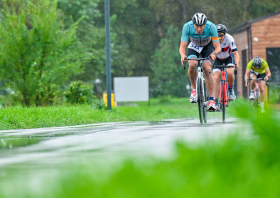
259,37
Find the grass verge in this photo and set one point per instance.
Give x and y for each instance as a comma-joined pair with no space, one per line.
39,117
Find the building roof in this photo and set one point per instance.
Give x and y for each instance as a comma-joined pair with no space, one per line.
248,23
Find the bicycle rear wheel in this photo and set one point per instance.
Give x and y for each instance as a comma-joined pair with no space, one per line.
199,99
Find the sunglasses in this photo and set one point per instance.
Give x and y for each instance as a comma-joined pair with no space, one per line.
221,35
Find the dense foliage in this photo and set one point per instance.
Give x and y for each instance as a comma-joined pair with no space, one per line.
47,44
38,55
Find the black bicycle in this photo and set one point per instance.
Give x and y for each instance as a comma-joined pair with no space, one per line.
201,90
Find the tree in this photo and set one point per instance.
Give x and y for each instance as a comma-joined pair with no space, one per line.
38,55
92,36
136,38
169,78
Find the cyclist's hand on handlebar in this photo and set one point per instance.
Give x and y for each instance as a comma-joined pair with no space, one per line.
236,66
246,83
213,56
183,58
235,69
265,78
211,60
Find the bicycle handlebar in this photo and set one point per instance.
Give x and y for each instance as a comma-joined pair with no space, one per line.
223,66
196,59
185,60
212,62
256,79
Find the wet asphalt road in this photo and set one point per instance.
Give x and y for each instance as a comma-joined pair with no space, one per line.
110,140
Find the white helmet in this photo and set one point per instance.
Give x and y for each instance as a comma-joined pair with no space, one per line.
199,19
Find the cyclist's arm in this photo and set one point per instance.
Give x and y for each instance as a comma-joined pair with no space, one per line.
267,72
182,50
184,42
236,58
246,76
217,50
215,40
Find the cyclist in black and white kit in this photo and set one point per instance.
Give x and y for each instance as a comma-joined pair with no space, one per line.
228,48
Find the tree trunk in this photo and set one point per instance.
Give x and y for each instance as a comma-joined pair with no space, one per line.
26,99
159,26
37,100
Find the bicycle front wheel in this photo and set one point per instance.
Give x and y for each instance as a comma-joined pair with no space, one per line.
223,105
199,99
206,98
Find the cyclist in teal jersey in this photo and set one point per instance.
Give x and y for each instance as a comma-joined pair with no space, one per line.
201,37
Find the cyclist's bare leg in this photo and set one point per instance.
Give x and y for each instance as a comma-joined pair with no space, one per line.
262,88
253,82
209,77
192,72
217,83
230,76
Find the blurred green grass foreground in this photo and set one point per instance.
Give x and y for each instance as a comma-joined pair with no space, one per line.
236,167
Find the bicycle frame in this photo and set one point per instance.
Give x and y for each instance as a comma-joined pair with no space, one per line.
224,88
201,90
223,98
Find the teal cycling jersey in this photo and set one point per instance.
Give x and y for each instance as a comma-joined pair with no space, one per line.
200,40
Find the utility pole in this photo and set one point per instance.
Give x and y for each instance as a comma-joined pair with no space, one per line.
108,52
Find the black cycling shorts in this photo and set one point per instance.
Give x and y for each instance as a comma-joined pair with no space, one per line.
258,75
228,60
206,51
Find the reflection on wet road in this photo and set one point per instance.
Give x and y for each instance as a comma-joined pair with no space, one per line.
69,144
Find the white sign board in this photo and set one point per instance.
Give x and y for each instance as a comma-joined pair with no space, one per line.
127,89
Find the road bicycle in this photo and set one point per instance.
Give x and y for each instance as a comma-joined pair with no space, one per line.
223,96
256,104
201,90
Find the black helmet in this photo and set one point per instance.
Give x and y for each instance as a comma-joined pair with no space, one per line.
199,19
221,28
257,62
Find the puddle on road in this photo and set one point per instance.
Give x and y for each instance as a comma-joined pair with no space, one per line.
9,142
159,122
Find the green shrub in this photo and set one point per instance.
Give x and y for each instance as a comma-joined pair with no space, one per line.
165,99
100,105
79,93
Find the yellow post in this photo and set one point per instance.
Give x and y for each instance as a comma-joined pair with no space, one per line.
114,104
